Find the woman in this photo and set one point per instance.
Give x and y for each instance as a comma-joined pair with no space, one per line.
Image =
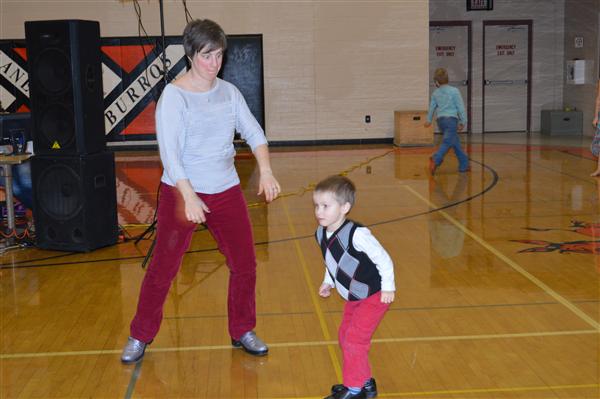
196,118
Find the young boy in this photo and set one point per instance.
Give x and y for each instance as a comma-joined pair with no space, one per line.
362,272
447,103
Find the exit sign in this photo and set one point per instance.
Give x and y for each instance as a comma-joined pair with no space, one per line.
480,5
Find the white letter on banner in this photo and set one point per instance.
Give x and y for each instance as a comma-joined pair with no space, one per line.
12,72
129,98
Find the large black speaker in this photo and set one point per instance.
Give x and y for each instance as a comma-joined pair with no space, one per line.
65,85
75,201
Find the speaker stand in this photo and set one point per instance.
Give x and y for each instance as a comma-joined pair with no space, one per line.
149,231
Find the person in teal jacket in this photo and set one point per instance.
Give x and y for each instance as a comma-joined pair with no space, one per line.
447,104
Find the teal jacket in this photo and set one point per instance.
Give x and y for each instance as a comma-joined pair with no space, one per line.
447,101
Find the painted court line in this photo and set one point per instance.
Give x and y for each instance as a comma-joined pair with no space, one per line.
512,264
313,296
467,391
301,344
488,390
133,380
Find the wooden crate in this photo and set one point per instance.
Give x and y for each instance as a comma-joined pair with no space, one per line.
409,129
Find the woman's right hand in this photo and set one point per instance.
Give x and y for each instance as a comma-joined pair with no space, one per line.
595,121
195,210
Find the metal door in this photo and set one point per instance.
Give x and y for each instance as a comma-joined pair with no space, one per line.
450,48
506,76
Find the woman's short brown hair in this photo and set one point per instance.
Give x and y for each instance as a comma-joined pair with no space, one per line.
340,186
441,76
203,34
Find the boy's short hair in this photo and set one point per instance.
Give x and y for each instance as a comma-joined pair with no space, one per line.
441,76
202,34
340,186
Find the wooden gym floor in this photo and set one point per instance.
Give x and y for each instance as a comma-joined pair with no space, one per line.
497,275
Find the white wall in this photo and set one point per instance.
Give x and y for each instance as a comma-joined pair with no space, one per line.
330,63
327,64
582,19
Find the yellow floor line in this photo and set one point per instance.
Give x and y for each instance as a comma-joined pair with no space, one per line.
486,336
313,295
469,391
328,342
511,263
487,390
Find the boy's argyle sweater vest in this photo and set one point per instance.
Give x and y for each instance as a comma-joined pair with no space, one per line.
356,276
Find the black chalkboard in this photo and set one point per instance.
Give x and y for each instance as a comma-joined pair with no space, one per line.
243,66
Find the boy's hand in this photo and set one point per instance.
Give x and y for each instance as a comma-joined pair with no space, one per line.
387,296
460,127
427,124
325,290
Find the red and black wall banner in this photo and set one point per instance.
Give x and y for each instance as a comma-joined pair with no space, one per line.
132,74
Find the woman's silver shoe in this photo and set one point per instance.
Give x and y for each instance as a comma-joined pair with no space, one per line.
251,344
133,351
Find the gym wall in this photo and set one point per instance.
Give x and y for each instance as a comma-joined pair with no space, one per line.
326,64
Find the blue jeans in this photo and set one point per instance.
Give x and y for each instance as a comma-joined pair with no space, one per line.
448,126
22,186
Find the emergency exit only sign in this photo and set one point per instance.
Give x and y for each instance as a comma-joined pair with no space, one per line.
480,5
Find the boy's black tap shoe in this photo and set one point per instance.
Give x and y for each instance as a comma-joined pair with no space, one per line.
370,388
344,393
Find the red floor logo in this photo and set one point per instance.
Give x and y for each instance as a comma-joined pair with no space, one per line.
580,246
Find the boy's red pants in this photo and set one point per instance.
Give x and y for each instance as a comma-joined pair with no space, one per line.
359,322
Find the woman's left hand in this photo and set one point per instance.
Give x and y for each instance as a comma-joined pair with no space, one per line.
268,185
